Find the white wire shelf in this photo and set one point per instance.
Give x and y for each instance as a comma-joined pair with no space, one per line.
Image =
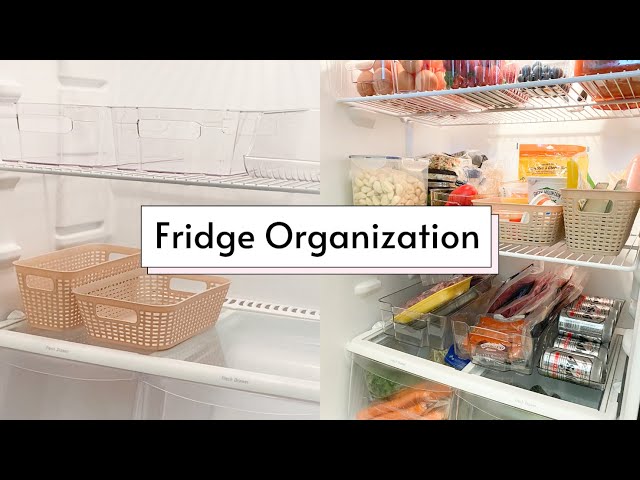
626,261
238,181
560,100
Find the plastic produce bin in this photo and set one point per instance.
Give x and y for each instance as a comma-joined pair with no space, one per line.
379,392
34,387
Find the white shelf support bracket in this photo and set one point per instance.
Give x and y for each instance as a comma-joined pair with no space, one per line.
408,137
361,117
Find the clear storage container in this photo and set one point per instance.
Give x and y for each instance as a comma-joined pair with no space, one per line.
477,73
35,387
607,90
372,77
286,146
173,140
432,329
388,180
53,134
419,75
380,392
535,70
497,348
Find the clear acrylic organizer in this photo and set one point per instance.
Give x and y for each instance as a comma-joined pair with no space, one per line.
191,141
286,146
432,329
59,135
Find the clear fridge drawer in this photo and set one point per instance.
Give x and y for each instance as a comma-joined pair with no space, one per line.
169,399
34,387
467,406
380,392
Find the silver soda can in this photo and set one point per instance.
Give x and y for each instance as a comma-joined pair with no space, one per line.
610,302
591,326
572,343
588,307
571,367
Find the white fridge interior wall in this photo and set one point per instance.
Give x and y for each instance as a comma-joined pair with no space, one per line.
42,213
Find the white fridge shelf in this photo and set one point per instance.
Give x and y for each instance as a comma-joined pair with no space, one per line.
215,357
626,261
238,181
509,103
471,380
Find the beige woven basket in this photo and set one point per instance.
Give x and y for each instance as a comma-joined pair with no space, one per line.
599,233
150,312
46,282
543,228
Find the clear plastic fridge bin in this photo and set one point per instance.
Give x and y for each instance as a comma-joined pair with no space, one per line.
419,75
286,146
380,392
189,141
535,70
388,180
492,348
34,387
477,73
432,329
607,90
467,406
371,77
60,135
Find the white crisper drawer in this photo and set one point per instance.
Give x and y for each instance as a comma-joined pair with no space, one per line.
34,386
478,393
382,392
246,345
170,399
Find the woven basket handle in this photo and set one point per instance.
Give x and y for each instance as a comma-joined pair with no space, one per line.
131,318
46,284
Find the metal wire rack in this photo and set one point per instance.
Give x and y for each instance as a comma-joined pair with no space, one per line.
593,97
626,260
238,181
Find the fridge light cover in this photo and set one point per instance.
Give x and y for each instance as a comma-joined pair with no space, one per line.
318,239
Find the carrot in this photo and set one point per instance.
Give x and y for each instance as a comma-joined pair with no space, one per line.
404,399
413,412
435,414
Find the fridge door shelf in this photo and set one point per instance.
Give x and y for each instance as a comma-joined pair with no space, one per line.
508,388
493,104
626,261
240,352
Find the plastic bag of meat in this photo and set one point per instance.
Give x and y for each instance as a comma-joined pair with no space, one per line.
517,286
544,290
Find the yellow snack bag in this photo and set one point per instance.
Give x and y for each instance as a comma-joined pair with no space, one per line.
547,160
